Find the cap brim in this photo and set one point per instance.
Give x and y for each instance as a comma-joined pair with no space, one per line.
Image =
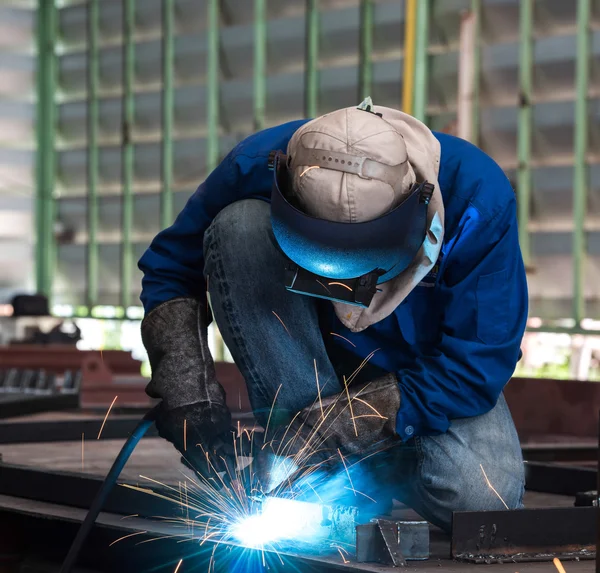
338,250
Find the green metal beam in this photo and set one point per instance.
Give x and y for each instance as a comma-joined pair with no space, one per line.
93,151
476,10
260,63
525,126
46,156
365,66
168,102
212,86
311,82
580,171
421,61
127,150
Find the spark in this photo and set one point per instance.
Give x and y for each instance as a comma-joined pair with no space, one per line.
323,286
271,411
178,566
106,417
355,491
342,555
126,536
308,169
343,338
558,565
283,324
492,487
318,387
347,472
132,515
340,284
377,414
82,443
350,406
185,434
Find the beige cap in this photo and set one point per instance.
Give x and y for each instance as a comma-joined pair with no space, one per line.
349,166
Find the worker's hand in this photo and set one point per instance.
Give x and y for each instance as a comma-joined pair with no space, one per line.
193,414
202,433
355,423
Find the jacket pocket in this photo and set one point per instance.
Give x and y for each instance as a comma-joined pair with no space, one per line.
493,307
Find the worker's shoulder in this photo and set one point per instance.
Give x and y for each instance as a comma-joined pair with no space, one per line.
469,176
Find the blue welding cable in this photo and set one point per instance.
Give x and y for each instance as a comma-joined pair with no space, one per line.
107,485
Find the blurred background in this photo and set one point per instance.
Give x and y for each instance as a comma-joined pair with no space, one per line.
113,111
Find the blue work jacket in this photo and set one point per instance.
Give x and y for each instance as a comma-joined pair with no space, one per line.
454,341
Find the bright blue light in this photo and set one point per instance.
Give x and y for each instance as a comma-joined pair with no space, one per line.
279,520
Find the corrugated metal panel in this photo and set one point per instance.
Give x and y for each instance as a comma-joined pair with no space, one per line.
554,54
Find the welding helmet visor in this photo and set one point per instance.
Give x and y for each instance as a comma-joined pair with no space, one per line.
342,261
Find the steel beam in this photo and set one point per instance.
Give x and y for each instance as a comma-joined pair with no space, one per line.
260,63
311,81
365,66
421,61
580,171
559,479
128,123
476,89
93,65
45,155
408,73
525,125
524,534
212,86
168,103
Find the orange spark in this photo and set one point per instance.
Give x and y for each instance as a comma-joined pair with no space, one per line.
343,558
347,472
350,406
126,536
343,338
369,406
340,284
318,387
178,566
492,487
185,435
308,169
558,565
323,286
132,515
271,412
106,417
283,324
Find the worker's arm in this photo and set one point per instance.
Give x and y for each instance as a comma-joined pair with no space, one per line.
483,293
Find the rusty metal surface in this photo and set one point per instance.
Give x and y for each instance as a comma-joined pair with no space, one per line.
525,535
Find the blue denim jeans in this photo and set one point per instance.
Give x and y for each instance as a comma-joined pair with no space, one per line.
275,339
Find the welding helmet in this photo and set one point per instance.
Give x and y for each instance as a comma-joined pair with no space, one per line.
346,209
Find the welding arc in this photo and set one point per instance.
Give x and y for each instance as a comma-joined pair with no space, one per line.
107,486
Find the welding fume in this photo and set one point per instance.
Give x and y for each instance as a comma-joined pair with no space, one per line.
366,276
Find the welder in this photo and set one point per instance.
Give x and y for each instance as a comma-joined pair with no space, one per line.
356,256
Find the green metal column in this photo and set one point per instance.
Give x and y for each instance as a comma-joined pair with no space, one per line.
421,61
212,86
45,156
168,55
580,171
476,10
93,152
127,150
525,125
365,66
311,82
260,63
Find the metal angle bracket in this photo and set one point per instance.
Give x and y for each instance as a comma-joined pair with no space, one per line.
377,541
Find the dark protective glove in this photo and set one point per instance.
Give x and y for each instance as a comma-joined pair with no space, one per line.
355,423
193,415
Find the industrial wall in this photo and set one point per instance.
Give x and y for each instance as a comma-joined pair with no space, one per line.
140,112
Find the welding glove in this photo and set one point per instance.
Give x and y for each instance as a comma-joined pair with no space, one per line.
193,415
355,423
